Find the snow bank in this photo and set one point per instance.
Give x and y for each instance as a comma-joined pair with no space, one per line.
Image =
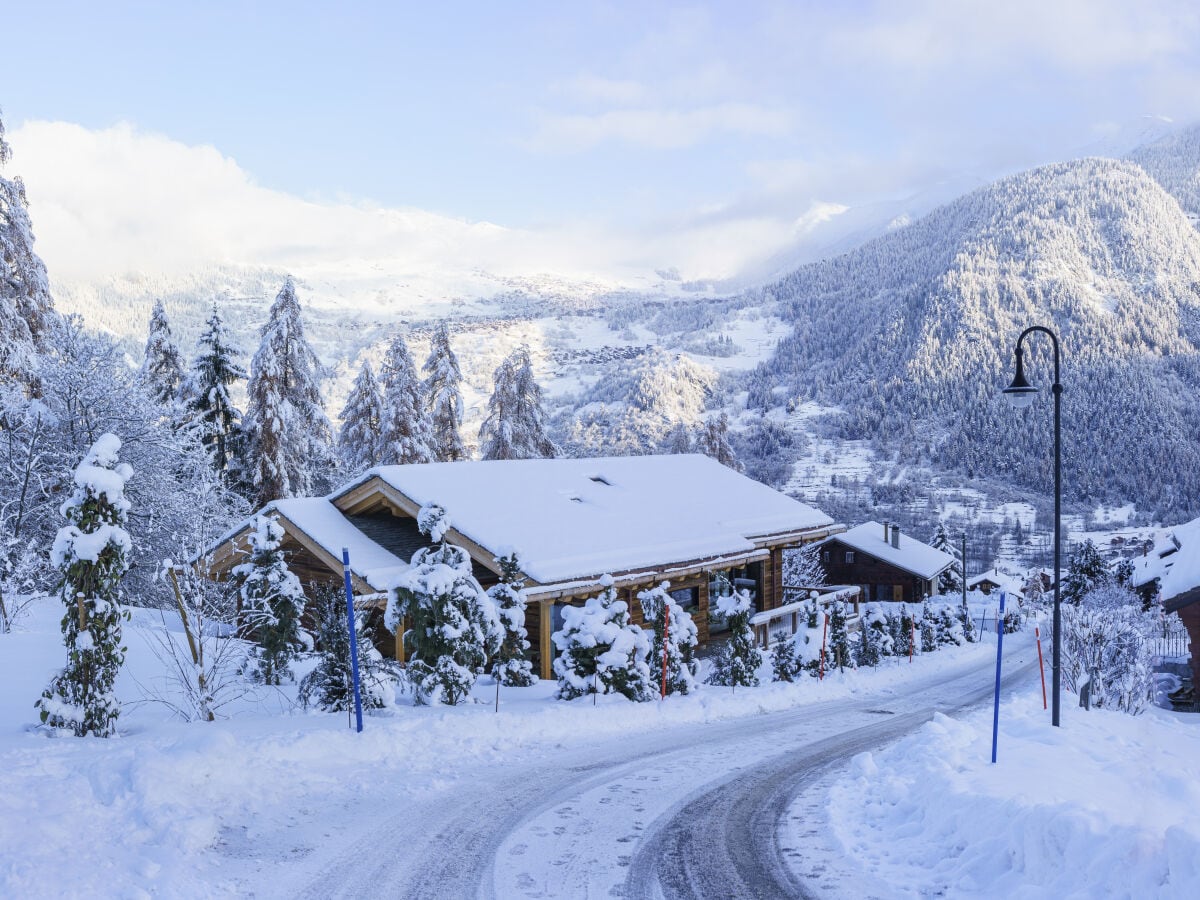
1105,806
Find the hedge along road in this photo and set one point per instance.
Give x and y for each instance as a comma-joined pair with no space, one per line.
689,811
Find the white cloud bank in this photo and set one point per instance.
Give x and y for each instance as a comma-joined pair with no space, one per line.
109,202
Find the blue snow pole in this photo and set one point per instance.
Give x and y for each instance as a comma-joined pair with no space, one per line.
999,650
354,639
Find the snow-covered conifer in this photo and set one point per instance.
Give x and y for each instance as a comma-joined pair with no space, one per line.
515,424
929,629
360,439
964,621
785,661
511,666
872,635
443,394
272,603
802,566
407,435
92,553
839,637
949,628
713,441
162,370
1086,572
455,626
738,661
206,391
330,685
675,635
950,581
678,439
601,651
26,309
289,434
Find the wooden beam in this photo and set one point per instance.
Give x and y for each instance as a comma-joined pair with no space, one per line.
545,645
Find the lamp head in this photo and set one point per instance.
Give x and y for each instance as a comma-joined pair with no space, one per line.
1020,393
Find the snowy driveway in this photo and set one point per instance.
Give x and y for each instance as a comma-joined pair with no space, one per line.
686,811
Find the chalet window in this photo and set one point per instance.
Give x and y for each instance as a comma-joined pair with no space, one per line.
825,555
688,597
849,556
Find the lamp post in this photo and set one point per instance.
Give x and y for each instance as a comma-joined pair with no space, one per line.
1020,394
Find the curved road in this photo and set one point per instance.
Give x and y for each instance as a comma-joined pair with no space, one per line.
691,811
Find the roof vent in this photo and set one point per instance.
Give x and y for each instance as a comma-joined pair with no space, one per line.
895,535
601,480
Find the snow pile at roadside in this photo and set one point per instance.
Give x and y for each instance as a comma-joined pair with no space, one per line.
1105,806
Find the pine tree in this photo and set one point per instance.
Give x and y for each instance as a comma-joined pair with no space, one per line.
802,566
206,391
511,666
92,554
454,625
330,686
713,441
785,661
162,370
950,628
600,651
964,621
407,435
26,310
678,439
928,629
738,661
950,581
360,439
289,434
839,636
1086,572
675,636
515,424
272,603
870,638
443,395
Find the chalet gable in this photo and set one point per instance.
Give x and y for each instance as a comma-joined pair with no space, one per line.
899,550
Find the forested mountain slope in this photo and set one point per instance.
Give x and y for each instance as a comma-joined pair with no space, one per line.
913,333
1174,162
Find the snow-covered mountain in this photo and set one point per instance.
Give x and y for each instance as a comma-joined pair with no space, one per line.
1174,162
913,333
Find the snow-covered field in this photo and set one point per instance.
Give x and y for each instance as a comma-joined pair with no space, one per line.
271,801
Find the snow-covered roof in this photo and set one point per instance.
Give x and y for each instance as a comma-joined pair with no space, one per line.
912,555
580,518
1178,572
326,526
1010,584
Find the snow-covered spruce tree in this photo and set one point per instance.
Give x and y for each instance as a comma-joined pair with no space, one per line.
330,686
785,661
515,424
675,635
738,661
949,628
950,581
1086,572
678,439
600,651
289,434
407,434
26,311
511,666
162,369
928,628
968,627
713,440
839,637
443,394
272,604
92,554
360,439
871,637
802,566
454,625
206,391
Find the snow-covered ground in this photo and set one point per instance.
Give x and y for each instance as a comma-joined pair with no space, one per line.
277,802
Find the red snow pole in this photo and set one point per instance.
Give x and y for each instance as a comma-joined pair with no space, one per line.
1041,666
824,632
666,632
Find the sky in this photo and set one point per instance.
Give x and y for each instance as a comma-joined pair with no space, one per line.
584,137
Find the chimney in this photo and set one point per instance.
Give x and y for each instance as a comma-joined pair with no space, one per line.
885,532
896,536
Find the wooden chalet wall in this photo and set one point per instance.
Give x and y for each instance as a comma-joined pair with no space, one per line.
868,572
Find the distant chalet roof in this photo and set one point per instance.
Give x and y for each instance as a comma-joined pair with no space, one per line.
576,519
1006,581
1175,562
912,556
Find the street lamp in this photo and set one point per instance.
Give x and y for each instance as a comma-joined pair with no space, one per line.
1020,394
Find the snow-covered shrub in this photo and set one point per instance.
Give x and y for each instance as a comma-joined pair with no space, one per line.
600,651
950,581
330,686
738,661
950,628
838,651
1104,644
928,628
785,661
802,566
872,636
965,623
92,554
454,625
272,604
675,636
511,666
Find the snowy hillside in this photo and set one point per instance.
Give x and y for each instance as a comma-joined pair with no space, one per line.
1174,162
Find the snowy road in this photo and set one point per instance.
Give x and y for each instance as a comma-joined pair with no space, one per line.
691,811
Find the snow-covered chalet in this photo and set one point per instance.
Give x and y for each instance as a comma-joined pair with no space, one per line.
885,564
1171,569
685,519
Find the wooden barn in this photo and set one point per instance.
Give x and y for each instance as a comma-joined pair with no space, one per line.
685,519
885,564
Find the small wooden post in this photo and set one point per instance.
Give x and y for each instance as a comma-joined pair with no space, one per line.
544,642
